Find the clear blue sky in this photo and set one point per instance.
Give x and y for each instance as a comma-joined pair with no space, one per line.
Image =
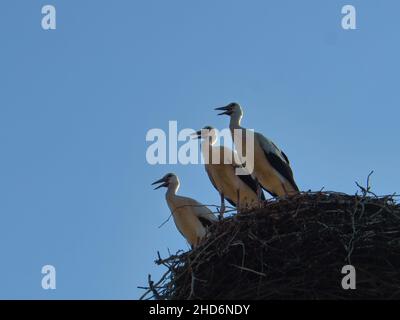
76,103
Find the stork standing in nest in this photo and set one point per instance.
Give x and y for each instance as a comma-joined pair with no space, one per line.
191,217
271,165
221,164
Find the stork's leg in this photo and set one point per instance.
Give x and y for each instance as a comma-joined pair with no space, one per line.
238,200
259,191
198,241
222,207
284,189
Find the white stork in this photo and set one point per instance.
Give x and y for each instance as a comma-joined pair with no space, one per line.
191,217
220,164
271,165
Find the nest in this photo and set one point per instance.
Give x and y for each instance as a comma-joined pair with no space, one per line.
293,248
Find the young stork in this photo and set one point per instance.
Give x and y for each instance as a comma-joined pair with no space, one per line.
271,165
191,217
220,164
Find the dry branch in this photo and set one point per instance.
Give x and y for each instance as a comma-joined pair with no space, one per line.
293,248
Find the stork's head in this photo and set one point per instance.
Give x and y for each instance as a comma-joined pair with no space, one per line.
207,132
167,180
232,109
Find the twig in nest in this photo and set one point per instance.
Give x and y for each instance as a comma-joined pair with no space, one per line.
162,224
192,282
294,238
367,189
151,288
250,270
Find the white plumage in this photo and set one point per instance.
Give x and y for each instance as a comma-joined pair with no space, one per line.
220,164
190,216
271,165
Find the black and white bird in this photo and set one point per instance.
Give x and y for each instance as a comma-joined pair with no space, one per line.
221,163
190,216
271,165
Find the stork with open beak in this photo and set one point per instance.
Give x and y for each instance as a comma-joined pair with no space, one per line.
191,217
220,164
271,165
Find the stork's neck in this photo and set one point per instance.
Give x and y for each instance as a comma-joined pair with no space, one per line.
172,190
207,147
235,121
209,142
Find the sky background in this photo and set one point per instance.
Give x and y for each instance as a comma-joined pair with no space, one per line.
76,104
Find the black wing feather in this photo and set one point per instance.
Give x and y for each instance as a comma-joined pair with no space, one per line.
230,201
285,156
251,183
283,168
205,222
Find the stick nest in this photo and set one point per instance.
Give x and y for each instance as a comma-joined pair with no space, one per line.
293,248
